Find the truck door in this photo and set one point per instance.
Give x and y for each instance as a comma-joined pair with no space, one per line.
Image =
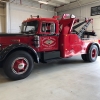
48,38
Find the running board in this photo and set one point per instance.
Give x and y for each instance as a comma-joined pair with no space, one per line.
51,60
99,53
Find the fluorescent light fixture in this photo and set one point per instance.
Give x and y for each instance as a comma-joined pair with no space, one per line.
44,2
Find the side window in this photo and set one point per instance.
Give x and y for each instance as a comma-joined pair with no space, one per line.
52,28
48,28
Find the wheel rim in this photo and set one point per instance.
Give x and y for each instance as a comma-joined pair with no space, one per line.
94,53
20,65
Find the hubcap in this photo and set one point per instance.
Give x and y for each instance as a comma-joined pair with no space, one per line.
93,53
20,65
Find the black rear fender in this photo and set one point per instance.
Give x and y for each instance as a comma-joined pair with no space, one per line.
96,45
10,49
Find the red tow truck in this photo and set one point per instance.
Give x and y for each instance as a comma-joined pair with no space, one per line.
46,39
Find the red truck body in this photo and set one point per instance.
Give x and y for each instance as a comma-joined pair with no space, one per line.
51,35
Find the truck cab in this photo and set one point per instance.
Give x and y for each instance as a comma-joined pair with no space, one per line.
45,29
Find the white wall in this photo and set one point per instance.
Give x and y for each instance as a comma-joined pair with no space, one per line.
2,18
17,13
85,11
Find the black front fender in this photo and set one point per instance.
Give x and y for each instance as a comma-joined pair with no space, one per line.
5,52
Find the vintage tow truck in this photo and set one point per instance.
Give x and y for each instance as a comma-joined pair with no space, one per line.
46,39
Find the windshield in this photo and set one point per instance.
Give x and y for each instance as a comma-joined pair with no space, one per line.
29,27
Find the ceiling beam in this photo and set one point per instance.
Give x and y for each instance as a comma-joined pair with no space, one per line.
53,4
4,0
62,1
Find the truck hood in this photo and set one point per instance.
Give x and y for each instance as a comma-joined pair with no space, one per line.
13,34
9,39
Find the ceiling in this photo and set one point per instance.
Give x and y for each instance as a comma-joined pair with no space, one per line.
60,5
57,3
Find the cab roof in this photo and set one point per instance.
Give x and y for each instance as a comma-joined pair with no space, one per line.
41,19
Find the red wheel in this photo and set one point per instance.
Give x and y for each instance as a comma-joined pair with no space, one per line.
18,65
92,53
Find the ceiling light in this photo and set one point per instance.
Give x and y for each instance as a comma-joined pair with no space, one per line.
44,2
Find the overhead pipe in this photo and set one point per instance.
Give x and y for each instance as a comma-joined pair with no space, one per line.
21,2
48,0
64,5
42,3
12,1
80,7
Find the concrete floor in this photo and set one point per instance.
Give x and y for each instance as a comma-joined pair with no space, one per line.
68,79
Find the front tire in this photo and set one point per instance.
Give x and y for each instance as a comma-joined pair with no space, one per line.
18,65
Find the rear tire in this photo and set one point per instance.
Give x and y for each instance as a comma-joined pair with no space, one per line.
84,57
18,65
92,53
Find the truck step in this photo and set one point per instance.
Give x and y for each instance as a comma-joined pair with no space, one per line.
99,53
51,60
